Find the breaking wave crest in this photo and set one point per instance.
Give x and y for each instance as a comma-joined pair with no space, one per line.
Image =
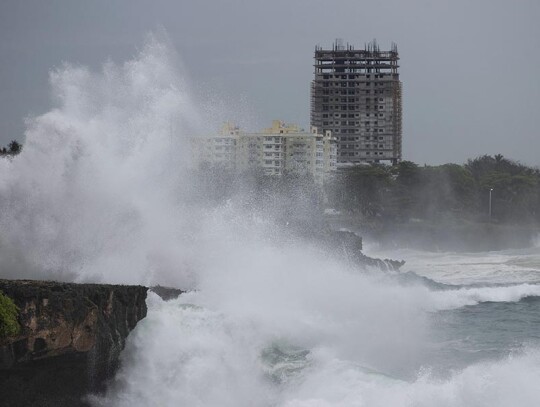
450,299
184,354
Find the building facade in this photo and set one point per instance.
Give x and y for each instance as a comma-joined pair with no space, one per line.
276,151
356,94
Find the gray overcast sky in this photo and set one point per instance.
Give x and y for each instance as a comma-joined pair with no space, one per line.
469,67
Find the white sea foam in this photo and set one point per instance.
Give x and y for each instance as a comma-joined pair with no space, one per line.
450,299
508,382
188,355
505,267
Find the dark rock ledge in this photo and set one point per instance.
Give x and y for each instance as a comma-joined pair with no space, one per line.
70,338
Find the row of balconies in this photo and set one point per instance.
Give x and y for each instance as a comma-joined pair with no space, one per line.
353,83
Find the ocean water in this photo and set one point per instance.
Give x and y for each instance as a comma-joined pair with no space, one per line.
322,335
102,192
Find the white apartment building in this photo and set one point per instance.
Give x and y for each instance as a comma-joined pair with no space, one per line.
276,150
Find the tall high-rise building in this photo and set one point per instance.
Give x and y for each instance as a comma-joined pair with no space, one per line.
356,94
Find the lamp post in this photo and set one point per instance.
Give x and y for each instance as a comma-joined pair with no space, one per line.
490,190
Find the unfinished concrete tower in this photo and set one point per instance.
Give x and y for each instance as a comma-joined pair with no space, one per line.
356,94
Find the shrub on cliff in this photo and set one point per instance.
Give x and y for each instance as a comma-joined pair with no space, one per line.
8,317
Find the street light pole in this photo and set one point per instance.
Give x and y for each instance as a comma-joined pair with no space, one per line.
490,190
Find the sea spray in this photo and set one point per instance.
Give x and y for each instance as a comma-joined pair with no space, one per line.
95,193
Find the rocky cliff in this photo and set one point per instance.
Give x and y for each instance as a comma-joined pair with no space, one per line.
69,340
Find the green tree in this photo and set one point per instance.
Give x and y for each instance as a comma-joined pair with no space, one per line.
8,317
14,147
366,188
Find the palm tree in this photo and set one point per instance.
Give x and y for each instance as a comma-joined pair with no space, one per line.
14,147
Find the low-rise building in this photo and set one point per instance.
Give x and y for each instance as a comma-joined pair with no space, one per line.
216,150
277,150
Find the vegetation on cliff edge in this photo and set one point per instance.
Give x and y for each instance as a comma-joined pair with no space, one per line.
8,317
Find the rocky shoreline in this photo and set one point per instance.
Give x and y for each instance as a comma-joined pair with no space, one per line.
69,340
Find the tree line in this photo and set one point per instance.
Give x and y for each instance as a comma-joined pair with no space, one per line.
408,191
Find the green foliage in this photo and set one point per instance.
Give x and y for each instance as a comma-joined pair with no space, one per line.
408,174
8,317
446,192
364,189
14,148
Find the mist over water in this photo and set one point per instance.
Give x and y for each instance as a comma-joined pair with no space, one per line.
103,192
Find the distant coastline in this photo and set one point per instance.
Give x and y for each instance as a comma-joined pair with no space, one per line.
459,236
